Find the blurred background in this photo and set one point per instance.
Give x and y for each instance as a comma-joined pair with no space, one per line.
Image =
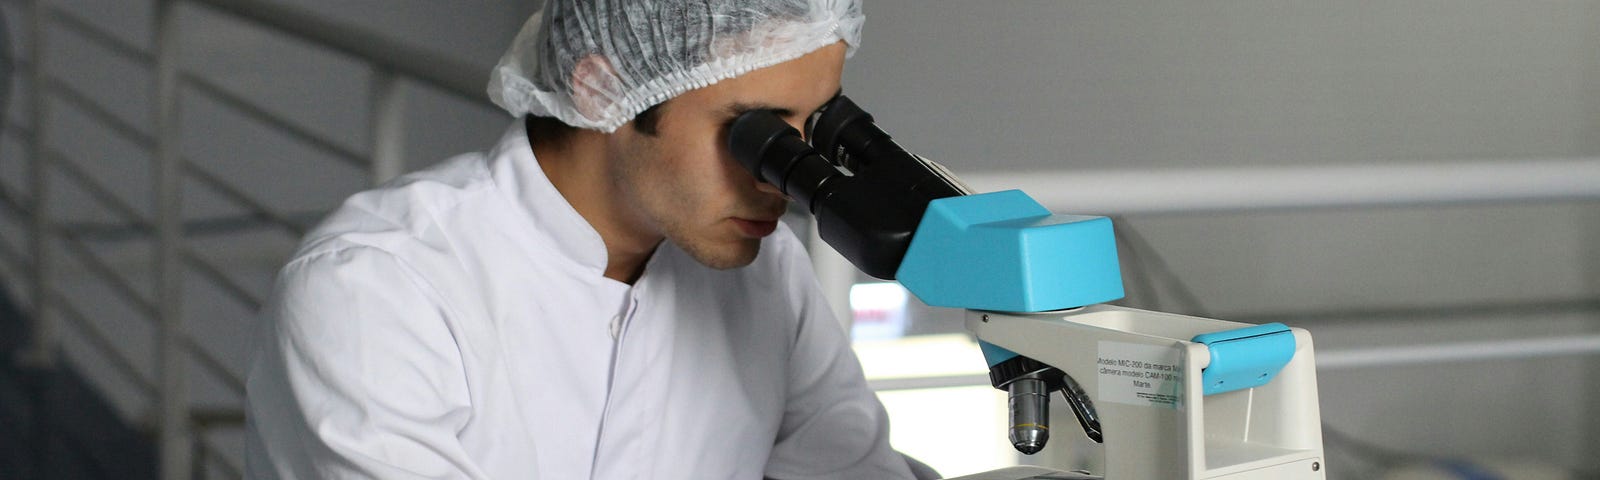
1415,182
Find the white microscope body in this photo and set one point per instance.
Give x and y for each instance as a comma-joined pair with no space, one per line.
1144,373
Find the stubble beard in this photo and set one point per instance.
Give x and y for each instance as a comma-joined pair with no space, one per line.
700,245
700,241
696,241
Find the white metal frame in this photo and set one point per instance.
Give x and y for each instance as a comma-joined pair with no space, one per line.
179,428
1346,185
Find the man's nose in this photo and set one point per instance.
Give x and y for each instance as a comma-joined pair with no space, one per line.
768,188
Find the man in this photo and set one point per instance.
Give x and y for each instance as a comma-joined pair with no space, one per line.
604,294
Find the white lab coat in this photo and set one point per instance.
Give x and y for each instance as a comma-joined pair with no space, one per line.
456,324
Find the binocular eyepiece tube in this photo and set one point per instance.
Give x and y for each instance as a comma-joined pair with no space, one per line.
867,192
774,152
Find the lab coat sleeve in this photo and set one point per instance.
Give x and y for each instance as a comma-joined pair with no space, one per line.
357,375
833,426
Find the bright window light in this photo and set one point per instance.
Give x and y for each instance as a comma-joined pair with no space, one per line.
879,310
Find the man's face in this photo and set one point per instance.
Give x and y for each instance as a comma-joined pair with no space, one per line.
683,184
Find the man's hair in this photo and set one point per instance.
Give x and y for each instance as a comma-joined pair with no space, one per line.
553,131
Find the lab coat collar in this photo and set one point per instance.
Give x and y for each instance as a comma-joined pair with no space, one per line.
516,172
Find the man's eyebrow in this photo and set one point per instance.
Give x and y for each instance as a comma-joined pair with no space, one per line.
739,108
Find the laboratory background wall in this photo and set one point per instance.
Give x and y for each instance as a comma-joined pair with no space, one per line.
1014,88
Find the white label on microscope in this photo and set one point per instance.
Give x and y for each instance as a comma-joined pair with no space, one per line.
1138,374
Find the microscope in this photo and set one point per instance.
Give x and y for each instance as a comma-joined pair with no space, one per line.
1170,396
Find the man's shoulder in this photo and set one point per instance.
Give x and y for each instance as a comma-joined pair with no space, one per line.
406,210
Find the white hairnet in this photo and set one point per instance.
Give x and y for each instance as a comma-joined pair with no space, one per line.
598,63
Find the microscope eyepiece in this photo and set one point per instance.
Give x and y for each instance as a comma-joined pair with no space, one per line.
867,193
841,128
774,152
850,138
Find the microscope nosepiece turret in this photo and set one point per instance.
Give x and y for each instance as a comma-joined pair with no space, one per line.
1028,385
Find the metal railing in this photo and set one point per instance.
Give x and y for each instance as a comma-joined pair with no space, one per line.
178,427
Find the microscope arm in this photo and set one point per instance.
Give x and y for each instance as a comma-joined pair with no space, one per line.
1149,378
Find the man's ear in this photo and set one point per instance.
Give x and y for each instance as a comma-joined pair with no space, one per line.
593,84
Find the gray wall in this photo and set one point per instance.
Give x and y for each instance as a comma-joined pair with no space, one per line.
1067,84
1022,86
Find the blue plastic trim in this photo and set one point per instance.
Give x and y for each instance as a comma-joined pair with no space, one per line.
1003,251
1245,358
995,354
